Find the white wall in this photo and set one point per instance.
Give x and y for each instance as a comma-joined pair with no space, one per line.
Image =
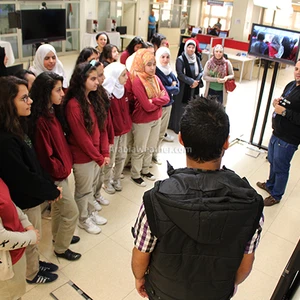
195,10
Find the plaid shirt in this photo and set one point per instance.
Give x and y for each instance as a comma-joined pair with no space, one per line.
145,241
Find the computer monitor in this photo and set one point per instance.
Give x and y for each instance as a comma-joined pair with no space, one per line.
202,46
196,30
223,34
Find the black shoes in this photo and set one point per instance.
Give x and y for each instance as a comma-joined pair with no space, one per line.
47,267
69,255
75,239
43,277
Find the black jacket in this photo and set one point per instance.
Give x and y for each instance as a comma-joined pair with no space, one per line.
203,221
288,128
29,186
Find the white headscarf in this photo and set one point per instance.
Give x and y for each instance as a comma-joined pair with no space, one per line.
159,52
38,63
191,59
111,82
129,61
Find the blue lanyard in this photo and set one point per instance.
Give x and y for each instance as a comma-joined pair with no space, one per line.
287,93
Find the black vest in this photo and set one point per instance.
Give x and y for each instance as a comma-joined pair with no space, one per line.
203,221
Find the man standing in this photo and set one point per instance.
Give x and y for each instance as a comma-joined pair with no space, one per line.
151,25
197,231
284,140
183,22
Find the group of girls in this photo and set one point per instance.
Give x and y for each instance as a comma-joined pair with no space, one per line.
43,139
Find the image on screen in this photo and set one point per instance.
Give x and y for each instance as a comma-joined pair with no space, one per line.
275,44
44,25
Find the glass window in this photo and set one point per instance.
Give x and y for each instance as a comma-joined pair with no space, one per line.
72,42
14,44
73,15
4,25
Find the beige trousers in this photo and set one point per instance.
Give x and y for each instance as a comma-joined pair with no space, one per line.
145,138
32,253
164,122
64,213
15,288
86,182
129,147
117,159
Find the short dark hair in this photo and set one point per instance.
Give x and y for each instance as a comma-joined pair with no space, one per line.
85,54
157,38
22,74
107,51
204,129
135,41
104,33
260,36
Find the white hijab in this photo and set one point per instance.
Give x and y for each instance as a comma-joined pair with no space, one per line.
111,82
191,59
38,63
159,52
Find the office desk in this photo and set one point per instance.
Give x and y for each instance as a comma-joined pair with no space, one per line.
9,52
89,39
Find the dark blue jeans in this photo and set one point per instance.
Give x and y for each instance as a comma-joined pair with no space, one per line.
280,154
217,94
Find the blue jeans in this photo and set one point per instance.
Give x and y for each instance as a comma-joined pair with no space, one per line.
151,31
280,154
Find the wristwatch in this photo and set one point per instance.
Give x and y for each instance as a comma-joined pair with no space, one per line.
283,114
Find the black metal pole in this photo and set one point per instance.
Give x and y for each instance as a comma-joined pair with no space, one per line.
263,127
262,86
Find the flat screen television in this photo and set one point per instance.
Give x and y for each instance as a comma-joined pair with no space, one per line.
45,25
275,44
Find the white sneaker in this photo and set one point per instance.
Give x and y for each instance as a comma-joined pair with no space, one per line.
97,206
98,220
89,226
117,185
109,189
168,138
122,176
103,201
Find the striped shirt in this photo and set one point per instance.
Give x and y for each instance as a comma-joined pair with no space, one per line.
145,241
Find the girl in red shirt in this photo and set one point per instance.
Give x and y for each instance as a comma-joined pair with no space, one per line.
55,157
115,79
88,141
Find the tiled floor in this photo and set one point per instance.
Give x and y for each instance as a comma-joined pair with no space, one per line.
104,271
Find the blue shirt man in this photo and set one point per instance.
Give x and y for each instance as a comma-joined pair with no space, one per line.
151,25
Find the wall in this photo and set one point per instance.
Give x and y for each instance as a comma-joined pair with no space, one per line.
244,13
89,10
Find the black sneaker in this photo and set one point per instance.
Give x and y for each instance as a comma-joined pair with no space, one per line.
149,176
43,277
47,267
139,181
69,255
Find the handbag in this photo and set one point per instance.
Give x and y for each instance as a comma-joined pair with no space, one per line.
230,83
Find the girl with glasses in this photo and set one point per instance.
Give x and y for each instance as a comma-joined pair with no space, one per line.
29,185
88,141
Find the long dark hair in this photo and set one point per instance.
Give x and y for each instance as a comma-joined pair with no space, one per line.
40,93
77,90
10,121
107,52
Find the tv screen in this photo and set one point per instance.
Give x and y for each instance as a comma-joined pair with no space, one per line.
45,25
275,44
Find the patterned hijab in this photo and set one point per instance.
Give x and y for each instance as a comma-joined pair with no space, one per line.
150,82
38,63
217,67
111,82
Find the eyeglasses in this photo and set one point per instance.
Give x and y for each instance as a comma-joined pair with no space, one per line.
25,98
92,63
